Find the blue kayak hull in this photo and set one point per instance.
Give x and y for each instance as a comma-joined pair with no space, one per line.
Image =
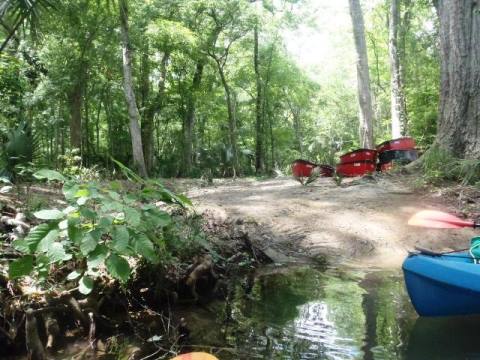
447,285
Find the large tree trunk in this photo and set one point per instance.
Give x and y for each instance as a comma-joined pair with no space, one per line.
398,111
259,131
76,104
458,127
189,123
128,87
363,77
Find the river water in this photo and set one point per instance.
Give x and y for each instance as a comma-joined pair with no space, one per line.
303,313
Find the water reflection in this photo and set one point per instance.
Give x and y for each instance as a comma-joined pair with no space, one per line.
445,339
308,314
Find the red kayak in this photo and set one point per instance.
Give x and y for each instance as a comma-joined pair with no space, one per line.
359,155
303,169
353,169
405,143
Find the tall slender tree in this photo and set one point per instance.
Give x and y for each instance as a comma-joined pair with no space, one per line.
363,76
128,86
398,111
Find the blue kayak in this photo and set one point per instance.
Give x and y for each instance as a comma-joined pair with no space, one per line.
444,285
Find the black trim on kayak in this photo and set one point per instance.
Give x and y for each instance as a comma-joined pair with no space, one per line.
423,251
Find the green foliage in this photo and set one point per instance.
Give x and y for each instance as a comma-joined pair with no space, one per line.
104,227
439,165
16,153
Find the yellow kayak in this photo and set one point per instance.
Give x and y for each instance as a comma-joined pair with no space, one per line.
195,356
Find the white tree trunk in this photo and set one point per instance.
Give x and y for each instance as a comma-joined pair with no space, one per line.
398,111
133,114
363,76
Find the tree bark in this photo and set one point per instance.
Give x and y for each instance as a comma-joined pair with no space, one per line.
151,109
128,87
363,76
458,126
232,119
398,111
76,104
259,131
189,123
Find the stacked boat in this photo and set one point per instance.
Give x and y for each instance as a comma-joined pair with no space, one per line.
357,163
397,151
363,161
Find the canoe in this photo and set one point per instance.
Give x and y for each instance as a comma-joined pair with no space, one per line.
359,168
401,156
445,285
302,168
405,143
359,155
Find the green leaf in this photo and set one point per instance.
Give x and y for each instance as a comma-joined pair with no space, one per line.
159,218
85,285
115,185
184,199
56,253
75,274
21,245
105,221
48,240
82,200
75,234
88,213
53,214
49,175
118,267
63,225
20,267
120,237
89,243
114,195
111,206
36,235
42,266
97,257
70,188
82,193
144,247
132,216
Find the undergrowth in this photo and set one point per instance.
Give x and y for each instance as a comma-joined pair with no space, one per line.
439,166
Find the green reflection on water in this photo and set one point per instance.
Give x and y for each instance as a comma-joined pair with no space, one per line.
307,314
303,313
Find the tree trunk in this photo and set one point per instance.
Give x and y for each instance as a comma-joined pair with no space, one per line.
259,152
363,77
133,114
189,123
232,121
458,127
398,111
76,104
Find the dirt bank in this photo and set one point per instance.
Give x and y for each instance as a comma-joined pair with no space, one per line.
362,221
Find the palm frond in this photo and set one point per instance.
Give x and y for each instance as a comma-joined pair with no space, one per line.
23,12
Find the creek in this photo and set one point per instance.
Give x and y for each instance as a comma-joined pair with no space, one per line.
337,313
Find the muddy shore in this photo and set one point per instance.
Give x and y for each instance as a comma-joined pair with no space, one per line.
363,221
